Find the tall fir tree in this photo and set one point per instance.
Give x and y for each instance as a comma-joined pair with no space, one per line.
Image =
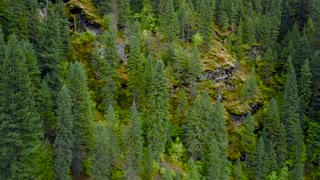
100,158
157,115
20,127
108,68
134,142
290,116
64,139
113,140
261,164
248,141
169,22
136,64
82,116
206,21
305,91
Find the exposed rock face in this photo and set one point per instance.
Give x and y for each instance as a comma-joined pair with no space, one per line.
221,73
83,17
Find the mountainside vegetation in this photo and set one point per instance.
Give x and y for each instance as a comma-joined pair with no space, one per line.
160,89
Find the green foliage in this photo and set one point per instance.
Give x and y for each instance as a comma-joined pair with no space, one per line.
169,22
82,114
21,128
136,64
296,150
261,160
206,21
134,142
157,114
305,85
248,141
64,139
100,157
250,87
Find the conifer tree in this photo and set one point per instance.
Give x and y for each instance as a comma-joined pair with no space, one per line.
82,114
290,116
135,145
108,68
261,164
18,18
136,63
305,85
215,162
274,130
157,114
248,141
206,21
113,141
169,22
100,157
250,31
124,13
64,139
20,128
182,103
186,20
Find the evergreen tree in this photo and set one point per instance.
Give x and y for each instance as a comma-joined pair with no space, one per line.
20,127
248,141
250,31
274,130
124,13
108,68
186,20
297,172
182,105
82,114
18,18
100,157
113,141
290,116
136,63
157,114
135,145
305,85
64,140
215,163
261,164
199,116
169,22
206,21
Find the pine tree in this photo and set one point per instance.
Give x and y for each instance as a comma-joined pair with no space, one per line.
182,106
274,130
305,85
218,126
169,22
215,162
135,145
250,31
136,63
186,20
108,68
124,13
261,168
100,157
18,18
82,113
206,21
297,172
64,139
290,116
20,128
199,116
248,141
157,114
113,141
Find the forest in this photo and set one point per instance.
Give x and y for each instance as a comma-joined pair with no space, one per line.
160,89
